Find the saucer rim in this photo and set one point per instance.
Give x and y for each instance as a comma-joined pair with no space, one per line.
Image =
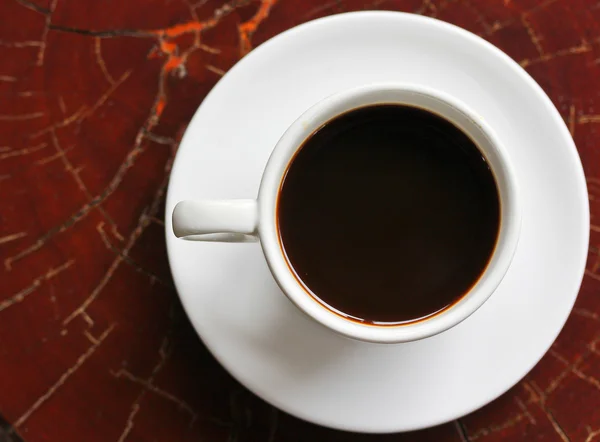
577,170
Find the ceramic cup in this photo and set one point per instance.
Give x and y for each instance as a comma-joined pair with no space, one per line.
248,220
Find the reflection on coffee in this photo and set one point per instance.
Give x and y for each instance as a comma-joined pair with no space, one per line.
388,214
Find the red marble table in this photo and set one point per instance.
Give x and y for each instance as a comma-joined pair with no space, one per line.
94,98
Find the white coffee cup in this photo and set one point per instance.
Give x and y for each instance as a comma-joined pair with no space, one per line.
248,220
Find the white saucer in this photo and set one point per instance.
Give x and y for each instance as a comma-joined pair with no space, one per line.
298,365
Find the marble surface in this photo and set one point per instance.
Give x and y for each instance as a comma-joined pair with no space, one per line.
94,98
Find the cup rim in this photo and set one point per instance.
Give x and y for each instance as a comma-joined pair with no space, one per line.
290,144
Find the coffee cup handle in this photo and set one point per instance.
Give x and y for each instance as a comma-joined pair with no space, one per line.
216,220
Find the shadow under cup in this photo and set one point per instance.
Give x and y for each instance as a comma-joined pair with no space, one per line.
388,214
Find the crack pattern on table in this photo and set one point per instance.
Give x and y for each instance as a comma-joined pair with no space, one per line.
95,99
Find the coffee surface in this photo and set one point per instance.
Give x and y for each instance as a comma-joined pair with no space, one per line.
388,214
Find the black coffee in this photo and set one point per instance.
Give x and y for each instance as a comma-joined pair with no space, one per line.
388,214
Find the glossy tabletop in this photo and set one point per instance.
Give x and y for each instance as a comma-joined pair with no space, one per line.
94,99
